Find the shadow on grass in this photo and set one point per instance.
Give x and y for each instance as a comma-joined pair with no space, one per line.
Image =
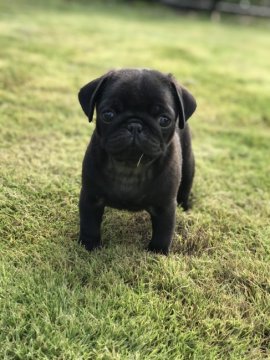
131,232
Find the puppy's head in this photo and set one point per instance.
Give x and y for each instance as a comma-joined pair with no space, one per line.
137,111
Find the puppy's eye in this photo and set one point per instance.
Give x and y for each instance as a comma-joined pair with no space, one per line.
108,116
164,121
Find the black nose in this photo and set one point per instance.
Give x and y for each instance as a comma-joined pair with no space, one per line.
135,127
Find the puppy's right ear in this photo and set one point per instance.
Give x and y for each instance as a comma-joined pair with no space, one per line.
88,95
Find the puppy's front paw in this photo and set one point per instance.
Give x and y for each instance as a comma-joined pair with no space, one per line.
90,244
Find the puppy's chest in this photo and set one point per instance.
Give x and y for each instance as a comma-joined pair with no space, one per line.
127,185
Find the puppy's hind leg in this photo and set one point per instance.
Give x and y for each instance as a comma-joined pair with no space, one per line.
188,171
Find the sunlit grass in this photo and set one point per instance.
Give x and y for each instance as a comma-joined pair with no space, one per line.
210,298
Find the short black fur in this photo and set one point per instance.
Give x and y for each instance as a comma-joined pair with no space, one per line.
134,161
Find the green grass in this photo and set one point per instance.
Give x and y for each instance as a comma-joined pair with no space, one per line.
210,298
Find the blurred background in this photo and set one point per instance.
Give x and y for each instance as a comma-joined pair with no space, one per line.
240,7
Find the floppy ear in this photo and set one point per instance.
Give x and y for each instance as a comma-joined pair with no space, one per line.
186,103
88,95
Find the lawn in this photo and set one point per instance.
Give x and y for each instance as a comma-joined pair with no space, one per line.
210,298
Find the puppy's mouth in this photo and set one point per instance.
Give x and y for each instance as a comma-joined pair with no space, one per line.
138,148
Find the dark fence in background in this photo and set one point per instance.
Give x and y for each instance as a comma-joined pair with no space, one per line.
259,8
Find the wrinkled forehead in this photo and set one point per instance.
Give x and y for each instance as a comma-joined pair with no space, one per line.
137,90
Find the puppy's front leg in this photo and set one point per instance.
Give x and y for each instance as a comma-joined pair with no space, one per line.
91,213
163,224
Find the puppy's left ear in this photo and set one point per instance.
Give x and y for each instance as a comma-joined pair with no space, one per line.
88,95
186,103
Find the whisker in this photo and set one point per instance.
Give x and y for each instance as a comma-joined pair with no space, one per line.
138,163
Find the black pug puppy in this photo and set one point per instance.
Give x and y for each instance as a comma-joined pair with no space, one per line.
140,155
